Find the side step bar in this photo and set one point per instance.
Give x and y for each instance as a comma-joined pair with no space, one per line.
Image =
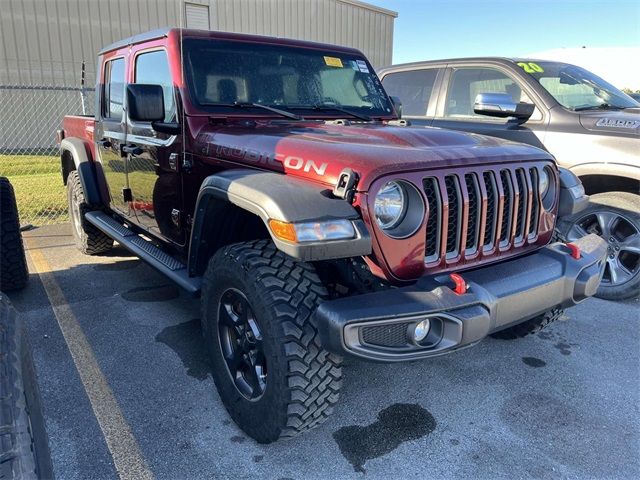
161,261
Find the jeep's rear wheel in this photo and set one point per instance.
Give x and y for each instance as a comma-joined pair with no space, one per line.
88,238
614,217
531,326
269,367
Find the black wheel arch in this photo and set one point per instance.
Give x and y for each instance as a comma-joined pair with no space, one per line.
75,155
601,183
236,205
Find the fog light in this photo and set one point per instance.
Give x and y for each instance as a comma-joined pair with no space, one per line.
421,330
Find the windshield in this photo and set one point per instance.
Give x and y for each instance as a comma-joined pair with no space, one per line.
576,88
223,74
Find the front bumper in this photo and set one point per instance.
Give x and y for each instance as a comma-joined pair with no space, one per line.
378,326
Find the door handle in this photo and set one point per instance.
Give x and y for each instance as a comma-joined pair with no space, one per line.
104,143
131,149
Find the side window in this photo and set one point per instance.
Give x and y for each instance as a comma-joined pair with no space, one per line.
113,94
153,68
413,88
467,83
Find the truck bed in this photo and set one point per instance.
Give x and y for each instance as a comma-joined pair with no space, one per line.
79,126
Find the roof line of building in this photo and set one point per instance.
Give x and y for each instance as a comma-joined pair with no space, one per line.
369,6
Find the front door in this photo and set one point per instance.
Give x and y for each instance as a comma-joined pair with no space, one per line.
154,169
456,111
110,133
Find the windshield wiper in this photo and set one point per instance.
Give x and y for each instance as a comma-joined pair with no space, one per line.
327,106
282,113
602,106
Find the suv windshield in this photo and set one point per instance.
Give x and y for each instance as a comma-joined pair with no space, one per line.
223,74
576,88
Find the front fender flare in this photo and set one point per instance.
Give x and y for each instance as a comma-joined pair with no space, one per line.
275,196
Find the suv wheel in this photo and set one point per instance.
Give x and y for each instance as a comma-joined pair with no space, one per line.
269,367
614,217
88,238
529,327
13,265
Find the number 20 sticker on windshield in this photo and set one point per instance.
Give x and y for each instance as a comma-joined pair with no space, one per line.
531,67
333,62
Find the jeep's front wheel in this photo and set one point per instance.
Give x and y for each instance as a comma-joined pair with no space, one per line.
88,238
269,367
531,326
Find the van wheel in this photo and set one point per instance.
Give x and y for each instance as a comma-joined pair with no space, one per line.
531,326
88,238
615,217
269,367
13,265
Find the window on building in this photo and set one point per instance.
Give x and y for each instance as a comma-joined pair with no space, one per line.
153,68
413,88
113,89
467,83
197,16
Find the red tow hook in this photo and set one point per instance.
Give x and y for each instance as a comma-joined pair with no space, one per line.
460,286
575,250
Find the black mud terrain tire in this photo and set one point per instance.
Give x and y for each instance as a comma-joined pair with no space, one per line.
88,238
24,448
13,265
531,326
615,216
302,380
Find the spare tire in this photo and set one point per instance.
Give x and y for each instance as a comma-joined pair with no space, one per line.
13,265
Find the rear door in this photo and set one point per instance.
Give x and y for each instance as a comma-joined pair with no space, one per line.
416,90
154,171
462,84
111,130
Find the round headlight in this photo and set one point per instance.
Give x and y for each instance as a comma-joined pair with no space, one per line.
543,182
390,205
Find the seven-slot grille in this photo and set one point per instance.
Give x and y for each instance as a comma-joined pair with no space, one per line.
512,211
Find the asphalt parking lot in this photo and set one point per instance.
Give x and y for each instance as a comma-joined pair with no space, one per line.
126,388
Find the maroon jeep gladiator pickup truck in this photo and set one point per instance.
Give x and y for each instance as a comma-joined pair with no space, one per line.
274,179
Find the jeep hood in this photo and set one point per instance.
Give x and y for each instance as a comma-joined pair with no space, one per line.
622,121
319,151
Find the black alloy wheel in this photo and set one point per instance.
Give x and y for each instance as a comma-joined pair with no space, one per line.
241,344
615,217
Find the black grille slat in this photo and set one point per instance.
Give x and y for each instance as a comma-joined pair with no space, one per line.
507,211
492,208
535,210
473,222
432,192
522,204
455,213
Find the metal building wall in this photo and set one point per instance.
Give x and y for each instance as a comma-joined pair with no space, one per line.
44,42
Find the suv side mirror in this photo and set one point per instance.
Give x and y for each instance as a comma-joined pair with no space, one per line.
397,105
502,105
145,103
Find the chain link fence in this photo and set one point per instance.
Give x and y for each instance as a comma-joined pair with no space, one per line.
29,118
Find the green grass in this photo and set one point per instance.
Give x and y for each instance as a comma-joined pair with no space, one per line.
40,193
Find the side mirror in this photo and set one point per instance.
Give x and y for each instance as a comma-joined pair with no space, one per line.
502,105
397,105
145,103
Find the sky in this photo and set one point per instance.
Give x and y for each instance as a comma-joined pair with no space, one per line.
432,29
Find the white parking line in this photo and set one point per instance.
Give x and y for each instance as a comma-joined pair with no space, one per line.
121,443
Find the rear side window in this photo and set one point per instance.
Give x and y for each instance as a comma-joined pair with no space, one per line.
467,83
413,88
113,89
153,68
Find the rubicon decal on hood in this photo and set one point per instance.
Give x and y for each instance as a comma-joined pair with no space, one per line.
255,156
616,123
